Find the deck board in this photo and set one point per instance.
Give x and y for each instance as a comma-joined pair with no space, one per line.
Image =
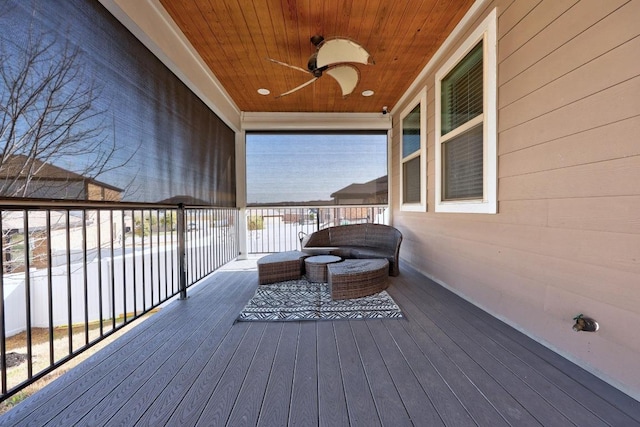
525,384
247,405
149,377
470,340
358,395
304,395
332,405
431,390
220,398
596,396
446,363
89,371
100,381
390,405
276,402
173,377
482,395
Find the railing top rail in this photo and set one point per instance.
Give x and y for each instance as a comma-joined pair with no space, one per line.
22,203
372,205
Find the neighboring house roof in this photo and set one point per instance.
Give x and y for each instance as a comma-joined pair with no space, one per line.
364,190
13,167
185,200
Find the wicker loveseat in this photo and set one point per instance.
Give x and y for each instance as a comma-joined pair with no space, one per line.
359,241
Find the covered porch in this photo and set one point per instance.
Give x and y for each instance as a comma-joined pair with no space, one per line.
446,363
549,231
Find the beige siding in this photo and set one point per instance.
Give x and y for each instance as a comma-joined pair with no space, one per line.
566,239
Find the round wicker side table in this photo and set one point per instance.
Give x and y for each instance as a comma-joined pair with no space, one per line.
316,267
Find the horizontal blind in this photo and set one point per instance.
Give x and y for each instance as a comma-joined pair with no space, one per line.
411,132
462,92
411,181
463,166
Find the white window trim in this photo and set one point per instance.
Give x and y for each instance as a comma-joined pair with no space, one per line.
420,99
487,32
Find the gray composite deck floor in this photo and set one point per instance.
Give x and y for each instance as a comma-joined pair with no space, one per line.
446,363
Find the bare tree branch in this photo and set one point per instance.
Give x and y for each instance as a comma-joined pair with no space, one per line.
48,116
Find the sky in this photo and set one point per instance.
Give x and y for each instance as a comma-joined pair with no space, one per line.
288,167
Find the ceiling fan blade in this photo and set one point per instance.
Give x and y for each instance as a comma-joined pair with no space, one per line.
289,65
298,88
347,77
338,50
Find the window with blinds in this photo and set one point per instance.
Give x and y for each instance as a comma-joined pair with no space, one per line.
462,92
461,117
411,156
411,181
466,139
463,166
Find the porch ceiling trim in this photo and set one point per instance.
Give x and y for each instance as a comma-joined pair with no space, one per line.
315,121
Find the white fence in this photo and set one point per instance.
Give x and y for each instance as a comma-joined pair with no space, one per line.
117,290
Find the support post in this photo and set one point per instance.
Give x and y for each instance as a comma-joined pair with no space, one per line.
182,252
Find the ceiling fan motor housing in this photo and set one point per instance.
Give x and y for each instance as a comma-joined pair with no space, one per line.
316,40
312,65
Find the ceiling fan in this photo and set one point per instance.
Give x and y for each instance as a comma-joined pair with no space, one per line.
333,57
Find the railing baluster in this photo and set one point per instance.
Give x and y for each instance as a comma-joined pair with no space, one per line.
69,289
124,264
85,279
144,273
144,267
195,245
199,245
27,291
3,336
112,300
158,254
191,266
50,287
173,250
211,229
182,253
219,238
99,257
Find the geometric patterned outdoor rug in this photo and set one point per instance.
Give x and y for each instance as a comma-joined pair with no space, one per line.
302,300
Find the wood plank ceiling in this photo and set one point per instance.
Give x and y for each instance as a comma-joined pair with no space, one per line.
235,38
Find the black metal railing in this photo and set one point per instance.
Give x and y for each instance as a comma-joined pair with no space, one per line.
276,229
74,273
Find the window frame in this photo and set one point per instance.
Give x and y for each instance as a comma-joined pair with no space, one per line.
486,33
418,100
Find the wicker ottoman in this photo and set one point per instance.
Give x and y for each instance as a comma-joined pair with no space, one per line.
316,267
280,267
355,278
